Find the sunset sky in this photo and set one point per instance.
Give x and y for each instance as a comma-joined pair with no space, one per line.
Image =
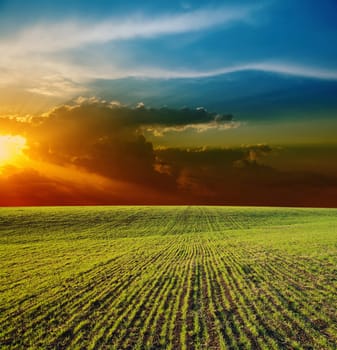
176,102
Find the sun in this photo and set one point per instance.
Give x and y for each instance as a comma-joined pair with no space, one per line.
11,148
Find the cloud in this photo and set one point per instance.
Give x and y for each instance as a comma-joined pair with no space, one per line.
96,152
59,78
56,85
199,128
108,139
70,34
295,69
144,117
238,176
284,68
53,58
198,120
107,70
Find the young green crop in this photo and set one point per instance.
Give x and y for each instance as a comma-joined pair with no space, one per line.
168,278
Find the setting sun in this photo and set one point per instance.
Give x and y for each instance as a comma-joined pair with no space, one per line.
11,148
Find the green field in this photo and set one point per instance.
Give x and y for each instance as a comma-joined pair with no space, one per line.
168,278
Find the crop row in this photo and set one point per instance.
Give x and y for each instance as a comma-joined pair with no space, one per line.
201,280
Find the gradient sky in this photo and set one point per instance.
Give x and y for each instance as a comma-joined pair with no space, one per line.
58,48
225,102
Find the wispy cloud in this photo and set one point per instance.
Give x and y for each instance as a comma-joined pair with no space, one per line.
70,34
107,71
266,66
56,78
32,57
295,69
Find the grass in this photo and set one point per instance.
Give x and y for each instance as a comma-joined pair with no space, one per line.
168,278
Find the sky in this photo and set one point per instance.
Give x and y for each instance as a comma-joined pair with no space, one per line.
180,102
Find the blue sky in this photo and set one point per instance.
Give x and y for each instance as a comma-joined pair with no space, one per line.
60,47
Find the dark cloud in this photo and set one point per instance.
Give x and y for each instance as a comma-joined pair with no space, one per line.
216,174
239,177
142,115
106,139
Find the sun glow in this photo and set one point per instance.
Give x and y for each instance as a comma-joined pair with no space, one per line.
11,148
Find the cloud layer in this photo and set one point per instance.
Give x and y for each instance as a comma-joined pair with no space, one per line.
96,152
